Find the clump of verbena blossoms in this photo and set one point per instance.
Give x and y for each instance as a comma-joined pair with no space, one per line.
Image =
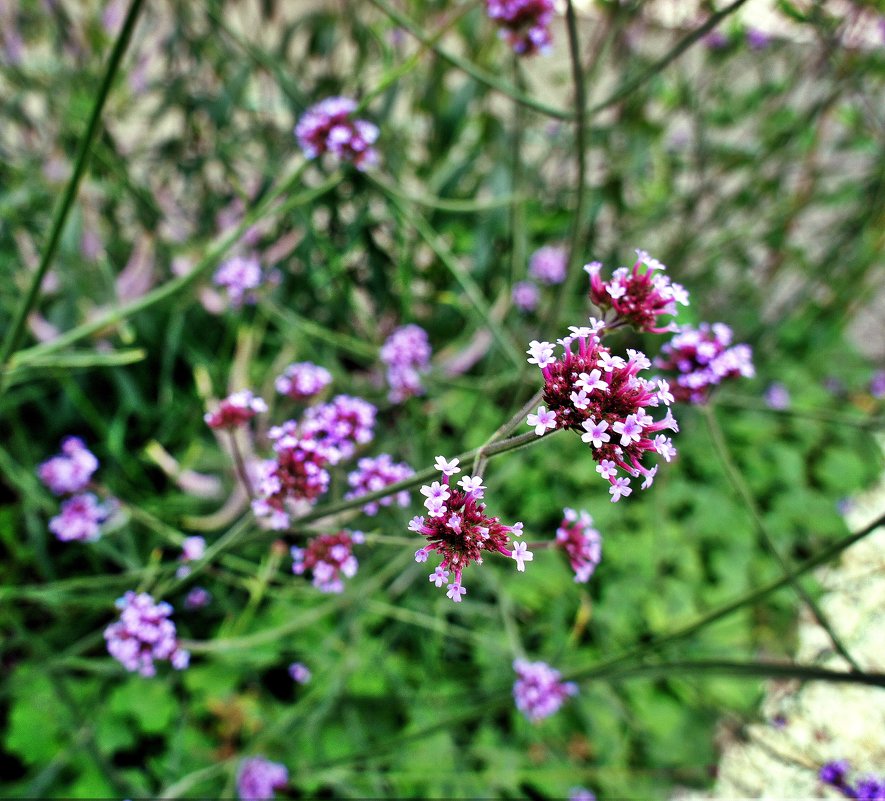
524,24
303,381
406,353
539,690
242,277
375,473
865,788
144,634
581,542
458,529
549,264
703,357
330,127
258,778
329,559
70,473
235,410
525,296
299,673
192,550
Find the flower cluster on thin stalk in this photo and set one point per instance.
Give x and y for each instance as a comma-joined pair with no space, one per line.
69,473
144,634
303,381
539,690
703,357
258,778
604,398
864,788
581,542
637,296
243,277
524,24
406,353
330,127
549,264
328,559
458,529
376,473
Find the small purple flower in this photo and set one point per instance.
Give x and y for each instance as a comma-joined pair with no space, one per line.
525,296
538,690
197,598
777,396
715,40
542,421
877,384
144,634
303,380
580,794
328,557
71,470
235,410
80,519
581,542
299,673
549,265
375,473
241,277
257,778
524,24
757,40
329,127
835,772
407,355
193,548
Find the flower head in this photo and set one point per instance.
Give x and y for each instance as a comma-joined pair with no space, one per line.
241,277
328,558
524,24
525,296
235,410
303,380
549,265
80,519
340,426
703,357
330,127
538,690
637,296
257,778
542,421
69,471
407,355
299,673
373,474
460,531
581,542
144,634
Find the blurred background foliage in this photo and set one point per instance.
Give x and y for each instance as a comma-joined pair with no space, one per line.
756,174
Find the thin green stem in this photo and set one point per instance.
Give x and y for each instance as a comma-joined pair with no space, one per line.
740,486
84,150
480,459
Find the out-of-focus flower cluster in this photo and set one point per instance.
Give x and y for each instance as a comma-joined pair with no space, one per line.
407,355
144,634
524,24
69,473
258,778
242,277
547,265
303,381
235,410
458,529
376,473
604,398
539,690
328,558
581,542
330,127
703,357
864,788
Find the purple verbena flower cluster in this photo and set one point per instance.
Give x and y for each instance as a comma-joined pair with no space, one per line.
581,542
258,778
525,296
235,410
704,357
375,473
637,296
524,24
69,473
197,598
342,425
603,397
549,264
538,690
192,549
329,127
303,381
407,355
242,277
328,557
459,530
300,673
866,788
144,634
